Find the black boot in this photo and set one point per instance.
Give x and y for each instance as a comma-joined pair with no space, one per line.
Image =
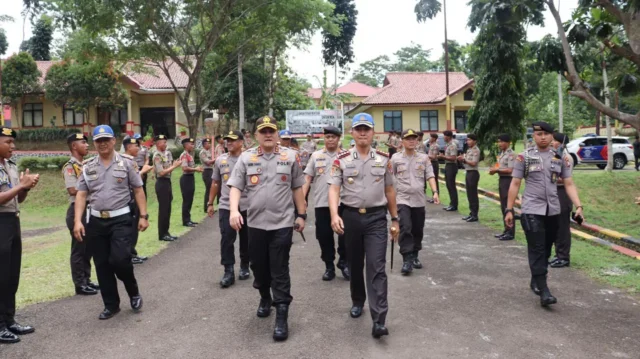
407,266
344,268
416,262
330,272
534,287
281,330
264,308
244,272
228,278
546,299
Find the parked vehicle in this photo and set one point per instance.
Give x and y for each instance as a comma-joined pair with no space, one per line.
594,151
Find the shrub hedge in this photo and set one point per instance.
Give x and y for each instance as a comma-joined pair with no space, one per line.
42,163
45,134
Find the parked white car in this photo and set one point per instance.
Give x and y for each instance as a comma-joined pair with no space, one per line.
593,150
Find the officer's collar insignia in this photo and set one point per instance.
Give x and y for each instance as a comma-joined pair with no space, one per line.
101,130
7,131
355,155
254,158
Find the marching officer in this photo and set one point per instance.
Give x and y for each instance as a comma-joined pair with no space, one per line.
317,171
142,159
106,180
506,162
541,166
411,169
310,144
222,169
420,146
563,240
14,188
187,180
219,150
362,180
163,165
434,152
271,175
80,257
206,158
133,147
470,160
248,141
450,169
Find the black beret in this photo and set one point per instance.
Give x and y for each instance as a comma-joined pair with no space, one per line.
188,139
76,137
434,135
472,136
542,126
130,141
448,133
332,130
408,133
504,137
7,132
159,137
561,137
234,135
206,140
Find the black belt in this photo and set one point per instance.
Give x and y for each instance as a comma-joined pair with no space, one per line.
10,214
506,176
187,174
164,178
450,163
208,169
366,210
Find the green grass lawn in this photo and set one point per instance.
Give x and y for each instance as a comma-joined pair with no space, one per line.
46,274
608,201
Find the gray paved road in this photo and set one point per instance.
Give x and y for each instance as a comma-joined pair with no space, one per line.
471,301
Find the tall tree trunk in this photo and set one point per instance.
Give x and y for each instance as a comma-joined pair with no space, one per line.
560,105
240,93
605,79
272,79
598,123
1,101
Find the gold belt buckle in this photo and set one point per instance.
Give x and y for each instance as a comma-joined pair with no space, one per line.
362,210
104,214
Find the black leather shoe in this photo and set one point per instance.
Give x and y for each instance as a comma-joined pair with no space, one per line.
379,330
506,237
244,272
86,290
407,267
281,329
559,263
546,299
416,263
534,287
108,314
430,201
167,238
344,268
18,329
499,235
465,218
356,311
329,274
136,303
189,224
6,337
94,285
264,308
451,209
229,278
173,237
472,219
136,260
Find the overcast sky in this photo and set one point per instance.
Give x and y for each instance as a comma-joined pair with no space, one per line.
384,26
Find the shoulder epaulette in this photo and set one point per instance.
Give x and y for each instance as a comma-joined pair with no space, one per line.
381,153
89,160
343,154
129,157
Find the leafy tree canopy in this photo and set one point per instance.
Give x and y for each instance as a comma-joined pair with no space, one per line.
20,76
337,48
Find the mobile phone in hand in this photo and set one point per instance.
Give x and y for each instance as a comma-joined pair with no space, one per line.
577,219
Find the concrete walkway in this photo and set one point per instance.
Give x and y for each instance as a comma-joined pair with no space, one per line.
470,301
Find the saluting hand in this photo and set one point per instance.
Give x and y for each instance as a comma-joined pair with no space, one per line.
78,231
235,220
337,225
508,219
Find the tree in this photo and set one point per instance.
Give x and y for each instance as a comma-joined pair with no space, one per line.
40,43
372,72
20,76
337,48
4,44
329,99
413,58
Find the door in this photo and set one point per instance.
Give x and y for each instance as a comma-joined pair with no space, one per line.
163,121
594,150
461,120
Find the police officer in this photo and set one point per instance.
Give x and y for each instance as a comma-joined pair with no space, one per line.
541,166
13,190
163,165
362,180
420,146
470,160
563,240
248,141
450,169
433,152
219,150
271,175
506,162
318,172
187,180
391,143
206,158
411,169
132,147
285,138
106,180
308,147
142,159
220,175
80,257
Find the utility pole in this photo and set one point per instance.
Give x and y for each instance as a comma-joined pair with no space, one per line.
560,104
446,67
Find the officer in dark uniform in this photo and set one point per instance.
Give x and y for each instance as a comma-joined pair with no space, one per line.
271,175
142,159
362,179
433,152
222,169
541,166
107,179
563,240
317,171
163,165
470,160
80,257
13,190
506,162
188,181
206,158
450,169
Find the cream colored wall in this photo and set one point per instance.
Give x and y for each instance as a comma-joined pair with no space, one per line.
410,116
49,110
155,101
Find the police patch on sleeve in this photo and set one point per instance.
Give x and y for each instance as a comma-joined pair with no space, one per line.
520,158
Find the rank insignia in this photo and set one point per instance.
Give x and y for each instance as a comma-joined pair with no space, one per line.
225,177
254,158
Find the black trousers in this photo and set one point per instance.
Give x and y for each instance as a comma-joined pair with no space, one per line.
637,159
366,240
503,189
136,217
228,238
165,196
450,172
188,189
110,241
80,259
325,236
411,229
436,172
541,232
206,177
392,151
10,261
471,182
563,240
269,256
144,184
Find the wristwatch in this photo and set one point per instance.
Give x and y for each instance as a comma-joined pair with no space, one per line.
302,215
436,192
509,210
209,204
144,216
394,219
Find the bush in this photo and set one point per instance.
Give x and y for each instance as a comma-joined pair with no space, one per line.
45,134
42,163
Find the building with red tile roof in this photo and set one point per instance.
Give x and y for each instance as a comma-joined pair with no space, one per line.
357,91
